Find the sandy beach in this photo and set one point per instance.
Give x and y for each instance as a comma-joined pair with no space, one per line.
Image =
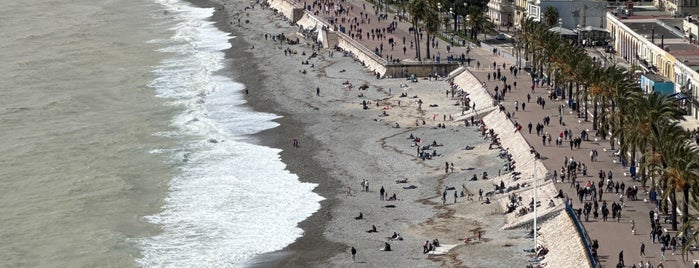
341,144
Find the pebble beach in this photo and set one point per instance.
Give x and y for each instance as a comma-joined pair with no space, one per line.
341,144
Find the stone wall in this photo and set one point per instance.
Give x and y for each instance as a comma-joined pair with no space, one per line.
420,69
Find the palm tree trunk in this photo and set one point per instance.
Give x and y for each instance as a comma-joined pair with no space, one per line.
594,115
585,100
427,43
685,203
417,40
673,201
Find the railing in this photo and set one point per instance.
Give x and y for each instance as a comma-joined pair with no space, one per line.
583,235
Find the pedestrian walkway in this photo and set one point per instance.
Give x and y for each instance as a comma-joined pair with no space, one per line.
613,235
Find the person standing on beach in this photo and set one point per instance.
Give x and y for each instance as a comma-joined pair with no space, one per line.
354,253
621,258
381,192
317,91
455,197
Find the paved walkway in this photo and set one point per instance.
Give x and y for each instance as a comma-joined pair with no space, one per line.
613,236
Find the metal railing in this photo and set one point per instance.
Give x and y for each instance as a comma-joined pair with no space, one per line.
587,242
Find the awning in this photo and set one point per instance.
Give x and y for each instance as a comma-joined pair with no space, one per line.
680,96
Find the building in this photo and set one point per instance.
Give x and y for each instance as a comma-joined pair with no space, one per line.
651,82
655,42
678,8
573,13
501,12
690,26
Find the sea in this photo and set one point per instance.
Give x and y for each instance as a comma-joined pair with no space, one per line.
124,142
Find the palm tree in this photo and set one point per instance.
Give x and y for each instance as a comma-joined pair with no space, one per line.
431,22
480,23
417,10
652,113
677,165
551,16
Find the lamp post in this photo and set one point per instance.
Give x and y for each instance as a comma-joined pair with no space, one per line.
577,28
451,12
439,16
560,28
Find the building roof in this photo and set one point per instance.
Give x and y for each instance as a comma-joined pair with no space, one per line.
652,27
562,31
656,78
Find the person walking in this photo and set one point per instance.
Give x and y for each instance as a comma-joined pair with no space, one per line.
662,252
354,253
621,258
643,249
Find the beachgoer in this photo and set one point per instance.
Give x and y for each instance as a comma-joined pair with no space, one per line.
354,252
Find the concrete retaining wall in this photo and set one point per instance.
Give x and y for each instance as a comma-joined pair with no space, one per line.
290,10
420,69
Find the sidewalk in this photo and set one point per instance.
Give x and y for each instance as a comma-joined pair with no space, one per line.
613,236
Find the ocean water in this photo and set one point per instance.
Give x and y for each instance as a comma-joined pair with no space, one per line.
125,144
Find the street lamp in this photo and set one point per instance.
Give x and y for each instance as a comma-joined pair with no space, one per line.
439,16
577,28
451,12
560,28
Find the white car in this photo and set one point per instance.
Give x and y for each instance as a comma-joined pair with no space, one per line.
501,36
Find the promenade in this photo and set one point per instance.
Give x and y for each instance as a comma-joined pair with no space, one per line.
614,235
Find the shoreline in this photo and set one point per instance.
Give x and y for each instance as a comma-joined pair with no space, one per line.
245,70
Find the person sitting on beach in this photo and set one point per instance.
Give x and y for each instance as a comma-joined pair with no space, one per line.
487,201
373,229
474,178
435,242
361,216
386,246
393,198
551,203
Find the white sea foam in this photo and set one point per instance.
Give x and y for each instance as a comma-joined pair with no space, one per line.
230,200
